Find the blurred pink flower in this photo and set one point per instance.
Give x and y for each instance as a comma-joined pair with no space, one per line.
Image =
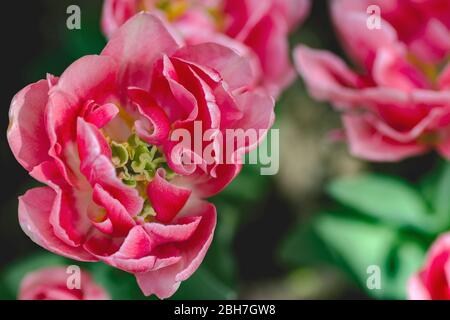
433,281
257,29
99,138
399,105
52,284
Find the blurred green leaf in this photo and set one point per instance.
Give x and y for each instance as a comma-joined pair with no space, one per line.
359,244
303,247
248,186
385,198
436,188
220,259
120,284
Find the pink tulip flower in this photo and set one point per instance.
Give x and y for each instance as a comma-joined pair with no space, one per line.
99,138
397,104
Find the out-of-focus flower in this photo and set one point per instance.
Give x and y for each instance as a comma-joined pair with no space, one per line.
53,284
258,29
399,105
433,281
118,188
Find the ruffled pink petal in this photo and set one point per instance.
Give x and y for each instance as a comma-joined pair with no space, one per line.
102,115
219,61
121,220
258,115
89,78
104,174
27,135
68,216
166,198
269,40
361,42
136,46
181,230
144,249
327,76
392,70
91,144
115,13
95,155
165,281
178,102
34,215
154,128
368,143
204,185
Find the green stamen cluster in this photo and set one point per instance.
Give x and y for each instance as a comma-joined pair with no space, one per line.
136,163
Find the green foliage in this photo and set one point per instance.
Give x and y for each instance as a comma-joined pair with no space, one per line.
384,198
379,220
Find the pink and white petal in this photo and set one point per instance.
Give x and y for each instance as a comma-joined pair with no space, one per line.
136,46
391,69
122,221
258,116
204,185
327,77
139,253
115,13
96,166
368,143
161,283
89,78
154,126
104,174
165,281
181,230
68,215
166,198
27,134
227,64
34,215
102,115
268,39
91,144
178,102
361,42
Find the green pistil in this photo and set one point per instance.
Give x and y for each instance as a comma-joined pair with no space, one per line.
136,163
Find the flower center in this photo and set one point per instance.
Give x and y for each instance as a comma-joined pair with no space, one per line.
172,8
136,164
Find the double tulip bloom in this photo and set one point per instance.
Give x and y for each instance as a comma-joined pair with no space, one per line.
398,106
99,138
256,29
